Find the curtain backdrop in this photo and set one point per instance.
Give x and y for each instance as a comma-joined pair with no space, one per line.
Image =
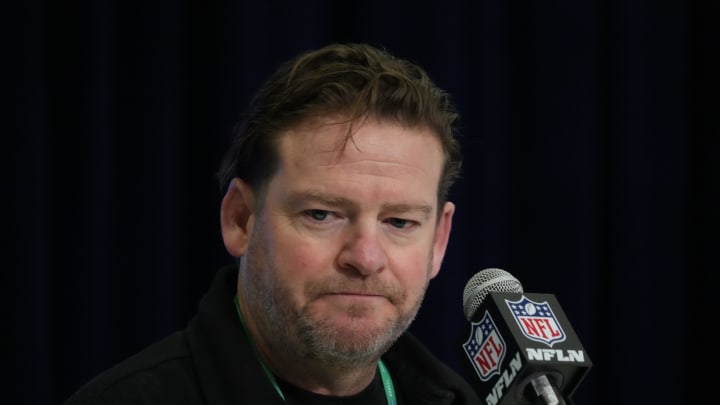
590,131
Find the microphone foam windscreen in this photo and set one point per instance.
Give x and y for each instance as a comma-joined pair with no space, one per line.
484,282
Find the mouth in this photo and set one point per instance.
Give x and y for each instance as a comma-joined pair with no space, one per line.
358,293
355,294
357,298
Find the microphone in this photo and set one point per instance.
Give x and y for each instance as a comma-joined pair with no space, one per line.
521,345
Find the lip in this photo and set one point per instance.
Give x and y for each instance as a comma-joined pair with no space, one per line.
355,295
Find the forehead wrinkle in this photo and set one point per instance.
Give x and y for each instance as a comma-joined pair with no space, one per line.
375,167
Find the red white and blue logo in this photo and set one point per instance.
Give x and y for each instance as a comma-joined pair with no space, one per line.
485,348
537,321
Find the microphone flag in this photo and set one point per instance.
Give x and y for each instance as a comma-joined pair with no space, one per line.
517,337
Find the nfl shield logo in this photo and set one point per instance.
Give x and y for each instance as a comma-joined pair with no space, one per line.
485,348
537,321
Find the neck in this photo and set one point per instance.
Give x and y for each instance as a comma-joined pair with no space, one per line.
324,380
336,378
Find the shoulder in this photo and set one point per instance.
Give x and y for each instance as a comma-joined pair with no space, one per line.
161,373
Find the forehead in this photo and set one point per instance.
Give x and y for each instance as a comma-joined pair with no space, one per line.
377,157
334,141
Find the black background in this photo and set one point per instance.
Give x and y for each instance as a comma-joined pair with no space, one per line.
590,130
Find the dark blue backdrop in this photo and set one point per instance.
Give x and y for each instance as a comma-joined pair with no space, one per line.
590,132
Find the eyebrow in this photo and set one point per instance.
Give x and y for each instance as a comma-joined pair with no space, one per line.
342,202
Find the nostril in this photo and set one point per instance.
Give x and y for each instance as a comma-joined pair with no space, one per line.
364,255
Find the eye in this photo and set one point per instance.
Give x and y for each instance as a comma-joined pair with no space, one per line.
400,223
318,215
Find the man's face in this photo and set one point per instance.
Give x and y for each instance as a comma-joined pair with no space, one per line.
342,250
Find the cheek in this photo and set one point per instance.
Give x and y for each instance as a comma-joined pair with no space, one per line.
297,258
413,271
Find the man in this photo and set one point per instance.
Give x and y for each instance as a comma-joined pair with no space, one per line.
335,207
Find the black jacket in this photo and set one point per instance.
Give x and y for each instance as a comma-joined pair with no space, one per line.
212,363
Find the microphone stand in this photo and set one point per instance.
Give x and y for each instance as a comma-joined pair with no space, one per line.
543,392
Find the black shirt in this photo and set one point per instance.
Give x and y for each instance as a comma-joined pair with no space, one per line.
373,394
211,362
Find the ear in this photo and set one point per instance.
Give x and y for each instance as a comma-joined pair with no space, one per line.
237,217
442,236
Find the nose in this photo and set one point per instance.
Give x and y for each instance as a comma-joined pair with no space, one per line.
363,252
